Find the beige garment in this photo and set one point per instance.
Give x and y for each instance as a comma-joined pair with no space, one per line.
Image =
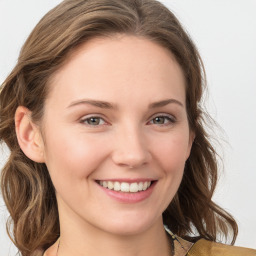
208,248
182,247
205,248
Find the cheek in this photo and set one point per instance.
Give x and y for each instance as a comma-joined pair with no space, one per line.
73,157
172,151
171,157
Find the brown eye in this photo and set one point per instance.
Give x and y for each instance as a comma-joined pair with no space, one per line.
159,120
93,121
162,120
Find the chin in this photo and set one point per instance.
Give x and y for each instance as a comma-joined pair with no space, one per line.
131,226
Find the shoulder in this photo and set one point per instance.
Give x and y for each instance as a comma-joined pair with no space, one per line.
204,247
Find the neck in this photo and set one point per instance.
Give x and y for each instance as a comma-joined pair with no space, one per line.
88,240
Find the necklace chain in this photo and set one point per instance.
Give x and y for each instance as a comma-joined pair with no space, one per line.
58,247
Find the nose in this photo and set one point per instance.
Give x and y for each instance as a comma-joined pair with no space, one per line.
131,149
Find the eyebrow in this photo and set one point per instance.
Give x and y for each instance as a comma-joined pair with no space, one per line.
108,105
96,103
163,103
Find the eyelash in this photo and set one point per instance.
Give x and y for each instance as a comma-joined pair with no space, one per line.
86,120
168,120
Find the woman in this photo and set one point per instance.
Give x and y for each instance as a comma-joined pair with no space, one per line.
103,120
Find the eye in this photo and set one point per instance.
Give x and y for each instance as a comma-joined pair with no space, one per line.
163,120
93,121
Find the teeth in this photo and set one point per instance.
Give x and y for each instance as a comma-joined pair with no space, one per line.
126,187
145,186
110,185
140,186
134,187
117,186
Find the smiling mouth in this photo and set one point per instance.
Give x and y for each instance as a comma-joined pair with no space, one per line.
133,187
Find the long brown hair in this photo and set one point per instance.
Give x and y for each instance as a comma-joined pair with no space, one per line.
26,186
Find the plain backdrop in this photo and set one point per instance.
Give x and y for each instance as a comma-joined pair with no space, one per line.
225,34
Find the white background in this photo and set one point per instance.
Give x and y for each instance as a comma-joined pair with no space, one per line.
225,33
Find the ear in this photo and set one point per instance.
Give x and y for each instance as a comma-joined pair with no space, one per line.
28,135
190,142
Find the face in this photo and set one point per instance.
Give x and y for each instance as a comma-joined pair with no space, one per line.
116,134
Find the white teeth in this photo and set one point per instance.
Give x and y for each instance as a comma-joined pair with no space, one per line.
110,185
117,186
126,187
140,186
145,186
134,187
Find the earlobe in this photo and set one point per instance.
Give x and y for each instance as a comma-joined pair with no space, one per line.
28,135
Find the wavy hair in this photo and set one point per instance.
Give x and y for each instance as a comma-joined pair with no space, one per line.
26,185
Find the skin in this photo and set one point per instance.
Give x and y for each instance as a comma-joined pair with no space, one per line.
130,74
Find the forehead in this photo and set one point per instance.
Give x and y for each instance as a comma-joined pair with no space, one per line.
122,65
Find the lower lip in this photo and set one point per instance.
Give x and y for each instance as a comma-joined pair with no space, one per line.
125,197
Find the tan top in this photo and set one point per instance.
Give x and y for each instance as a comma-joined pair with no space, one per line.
207,248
